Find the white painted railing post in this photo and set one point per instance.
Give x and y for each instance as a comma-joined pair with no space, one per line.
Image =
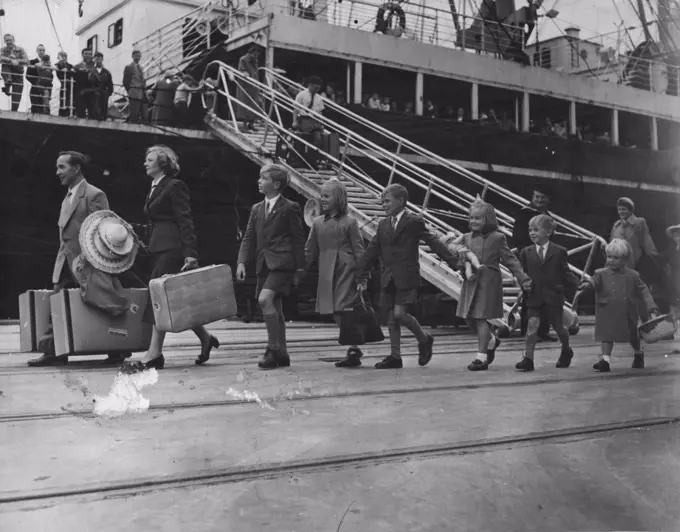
615,127
572,117
419,93
526,112
474,101
654,132
358,82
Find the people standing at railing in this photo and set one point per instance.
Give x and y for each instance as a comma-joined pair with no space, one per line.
85,98
41,52
41,77
247,93
183,99
163,97
540,200
135,86
65,76
102,82
309,98
13,59
481,298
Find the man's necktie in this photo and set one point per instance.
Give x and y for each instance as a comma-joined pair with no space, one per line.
542,253
394,222
267,208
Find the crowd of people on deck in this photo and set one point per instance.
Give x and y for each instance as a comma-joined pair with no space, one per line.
87,89
274,243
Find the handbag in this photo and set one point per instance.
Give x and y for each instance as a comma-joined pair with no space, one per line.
359,324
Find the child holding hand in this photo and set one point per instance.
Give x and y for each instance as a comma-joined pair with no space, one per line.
618,289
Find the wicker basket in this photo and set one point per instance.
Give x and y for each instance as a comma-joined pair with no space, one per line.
657,329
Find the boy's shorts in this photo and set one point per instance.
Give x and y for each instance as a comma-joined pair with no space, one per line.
391,296
277,281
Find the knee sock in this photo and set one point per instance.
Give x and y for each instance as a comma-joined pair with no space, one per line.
481,356
272,322
395,337
530,345
412,325
281,338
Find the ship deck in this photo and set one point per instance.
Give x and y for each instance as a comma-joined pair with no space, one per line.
434,448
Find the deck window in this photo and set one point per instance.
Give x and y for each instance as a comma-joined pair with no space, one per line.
116,33
542,58
92,43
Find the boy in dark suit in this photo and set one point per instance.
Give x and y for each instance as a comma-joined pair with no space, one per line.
548,267
275,238
397,245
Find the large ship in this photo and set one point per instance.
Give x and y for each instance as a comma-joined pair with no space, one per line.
468,104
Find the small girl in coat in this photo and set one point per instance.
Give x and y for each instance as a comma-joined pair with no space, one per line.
481,297
335,243
618,290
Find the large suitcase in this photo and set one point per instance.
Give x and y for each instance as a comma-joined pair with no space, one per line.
331,144
34,318
80,329
190,299
296,153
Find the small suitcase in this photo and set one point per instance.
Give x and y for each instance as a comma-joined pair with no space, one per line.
80,329
34,318
190,299
331,144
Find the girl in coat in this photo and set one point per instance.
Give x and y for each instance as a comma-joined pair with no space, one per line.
671,262
336,245
618,291
481,297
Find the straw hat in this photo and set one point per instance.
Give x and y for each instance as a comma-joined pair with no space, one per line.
108,242
671,229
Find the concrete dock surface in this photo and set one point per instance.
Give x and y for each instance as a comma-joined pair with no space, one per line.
227,447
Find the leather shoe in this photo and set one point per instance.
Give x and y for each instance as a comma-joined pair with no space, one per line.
205,350
478,365
565,358
390,362
49,360
352,360
115,359
526,364
491,353
601,365
271,359
283,359
638,362
425,351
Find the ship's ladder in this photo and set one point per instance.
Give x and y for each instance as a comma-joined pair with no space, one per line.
272,108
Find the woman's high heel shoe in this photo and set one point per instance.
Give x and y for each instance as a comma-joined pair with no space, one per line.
138,366
205,351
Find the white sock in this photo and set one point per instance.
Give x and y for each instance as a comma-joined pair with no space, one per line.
492,342
481,356
607,358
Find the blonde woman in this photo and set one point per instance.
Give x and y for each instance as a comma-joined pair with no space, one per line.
172,241
336,245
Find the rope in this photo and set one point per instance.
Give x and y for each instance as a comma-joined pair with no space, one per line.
54,26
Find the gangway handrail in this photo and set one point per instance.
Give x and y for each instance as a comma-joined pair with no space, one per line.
419,150
288,103
292,105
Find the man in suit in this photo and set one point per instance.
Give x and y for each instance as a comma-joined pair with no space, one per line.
548,267
540,200
135,85
397,244
13,59
275,238
82,199
101,81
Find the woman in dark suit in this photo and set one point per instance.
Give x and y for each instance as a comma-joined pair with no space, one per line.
172,240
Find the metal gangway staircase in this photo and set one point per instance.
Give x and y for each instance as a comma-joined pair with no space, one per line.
271,105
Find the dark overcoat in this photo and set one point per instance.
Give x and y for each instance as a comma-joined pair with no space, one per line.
482,297
336,245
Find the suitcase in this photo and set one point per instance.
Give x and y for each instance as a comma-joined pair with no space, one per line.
296,153
80,329
190,299
331,144
34,318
